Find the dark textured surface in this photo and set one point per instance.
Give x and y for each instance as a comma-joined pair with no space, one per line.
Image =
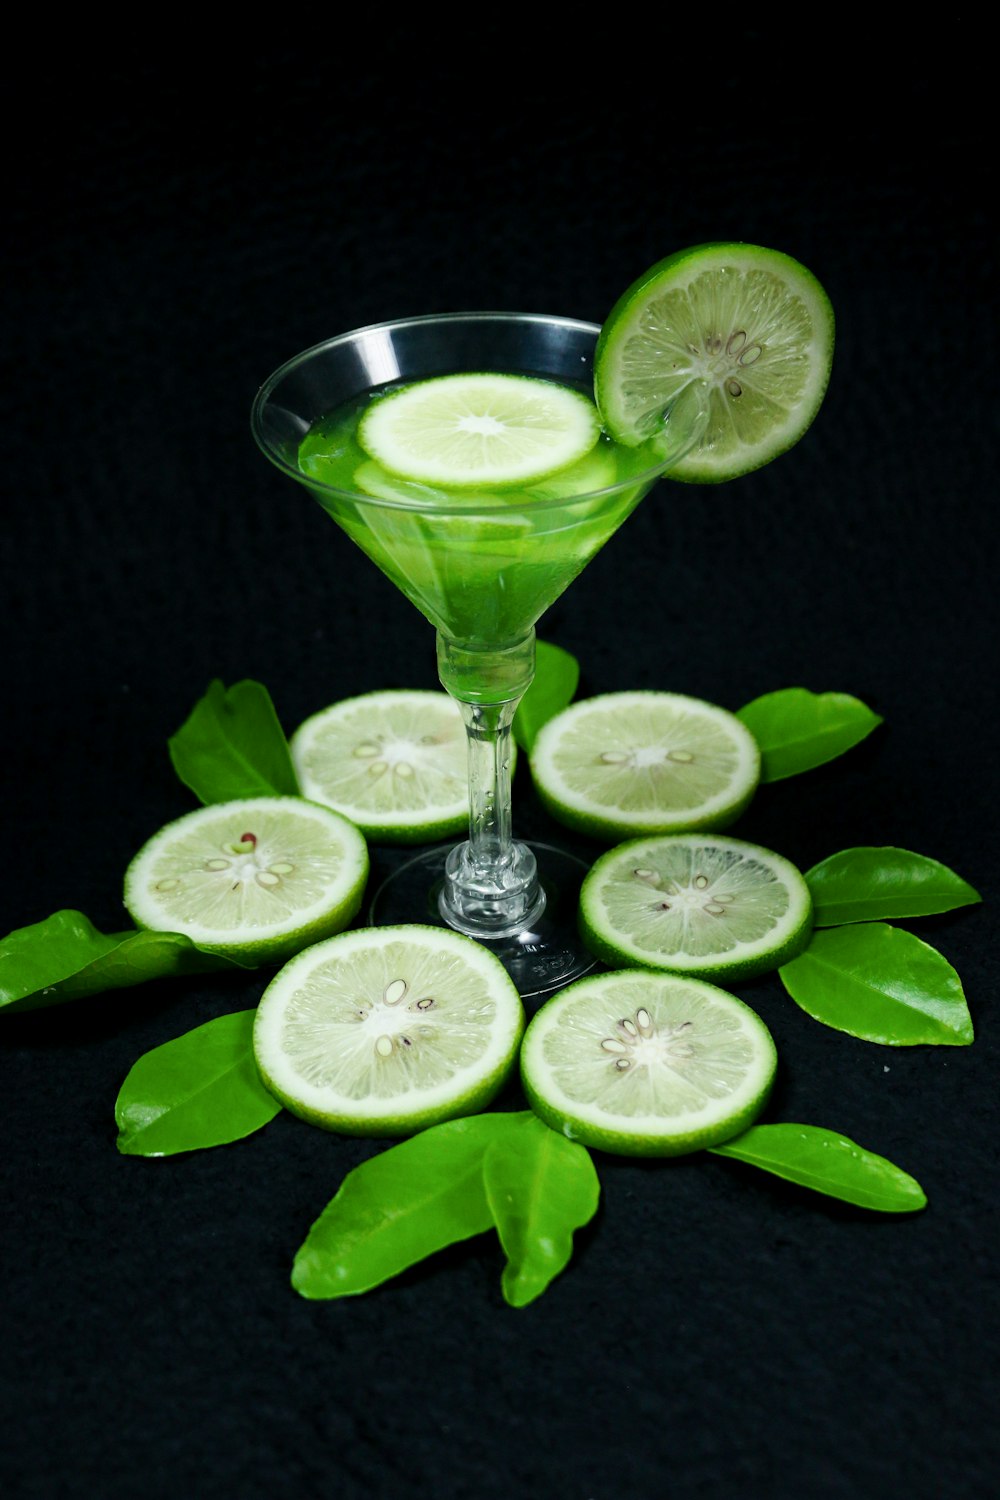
179,228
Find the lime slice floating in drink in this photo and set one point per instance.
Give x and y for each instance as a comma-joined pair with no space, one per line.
255,880
596,470
644,1064
479,430
700,904
386,1030
394,762
751,325
622,764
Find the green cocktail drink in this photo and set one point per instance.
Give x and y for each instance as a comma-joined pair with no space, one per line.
464,454
482,506
482,563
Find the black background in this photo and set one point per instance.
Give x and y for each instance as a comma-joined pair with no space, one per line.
186,215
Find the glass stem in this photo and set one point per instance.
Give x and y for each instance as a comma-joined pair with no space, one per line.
491,884
488,728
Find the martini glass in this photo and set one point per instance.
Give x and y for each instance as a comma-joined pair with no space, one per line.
482,567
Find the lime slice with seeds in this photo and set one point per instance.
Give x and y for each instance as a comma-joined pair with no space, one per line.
751,325
479,430
394,762
700,904
386,1030
256,879
644,1064
621,764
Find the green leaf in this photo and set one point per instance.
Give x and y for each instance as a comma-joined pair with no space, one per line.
797,729
202,1089
868,885
540,1187
231,745
556,676
399,1207
828,1163
881,984
66,958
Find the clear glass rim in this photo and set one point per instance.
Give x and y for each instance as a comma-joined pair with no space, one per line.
455,504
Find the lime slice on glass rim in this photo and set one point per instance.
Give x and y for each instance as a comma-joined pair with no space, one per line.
254,880
383,1031
394,762
479,430
643,1064
751,326
701,904
622,764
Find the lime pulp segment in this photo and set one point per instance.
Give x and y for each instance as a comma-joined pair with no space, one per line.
394,762
386,1030
479,429
699,904
644,1064
622,764
751,326
257,878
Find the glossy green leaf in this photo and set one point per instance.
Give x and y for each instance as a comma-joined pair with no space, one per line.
557,674
202,1089
66,958
231,745
540,1187
870,885
400,1207
797,729
881,984
828,1163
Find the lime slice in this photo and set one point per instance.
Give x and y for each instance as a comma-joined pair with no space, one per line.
395,763
597,470
641,762
386,1030
254,880
699,904
751,325
646,1064
480,430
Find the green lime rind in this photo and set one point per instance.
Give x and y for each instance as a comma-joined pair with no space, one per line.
302,878
621,765
384,1031
752,326
395,762
704,905
638,1063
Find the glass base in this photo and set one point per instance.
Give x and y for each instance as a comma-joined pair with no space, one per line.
546,955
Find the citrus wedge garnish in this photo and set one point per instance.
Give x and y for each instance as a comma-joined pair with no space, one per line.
752,327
